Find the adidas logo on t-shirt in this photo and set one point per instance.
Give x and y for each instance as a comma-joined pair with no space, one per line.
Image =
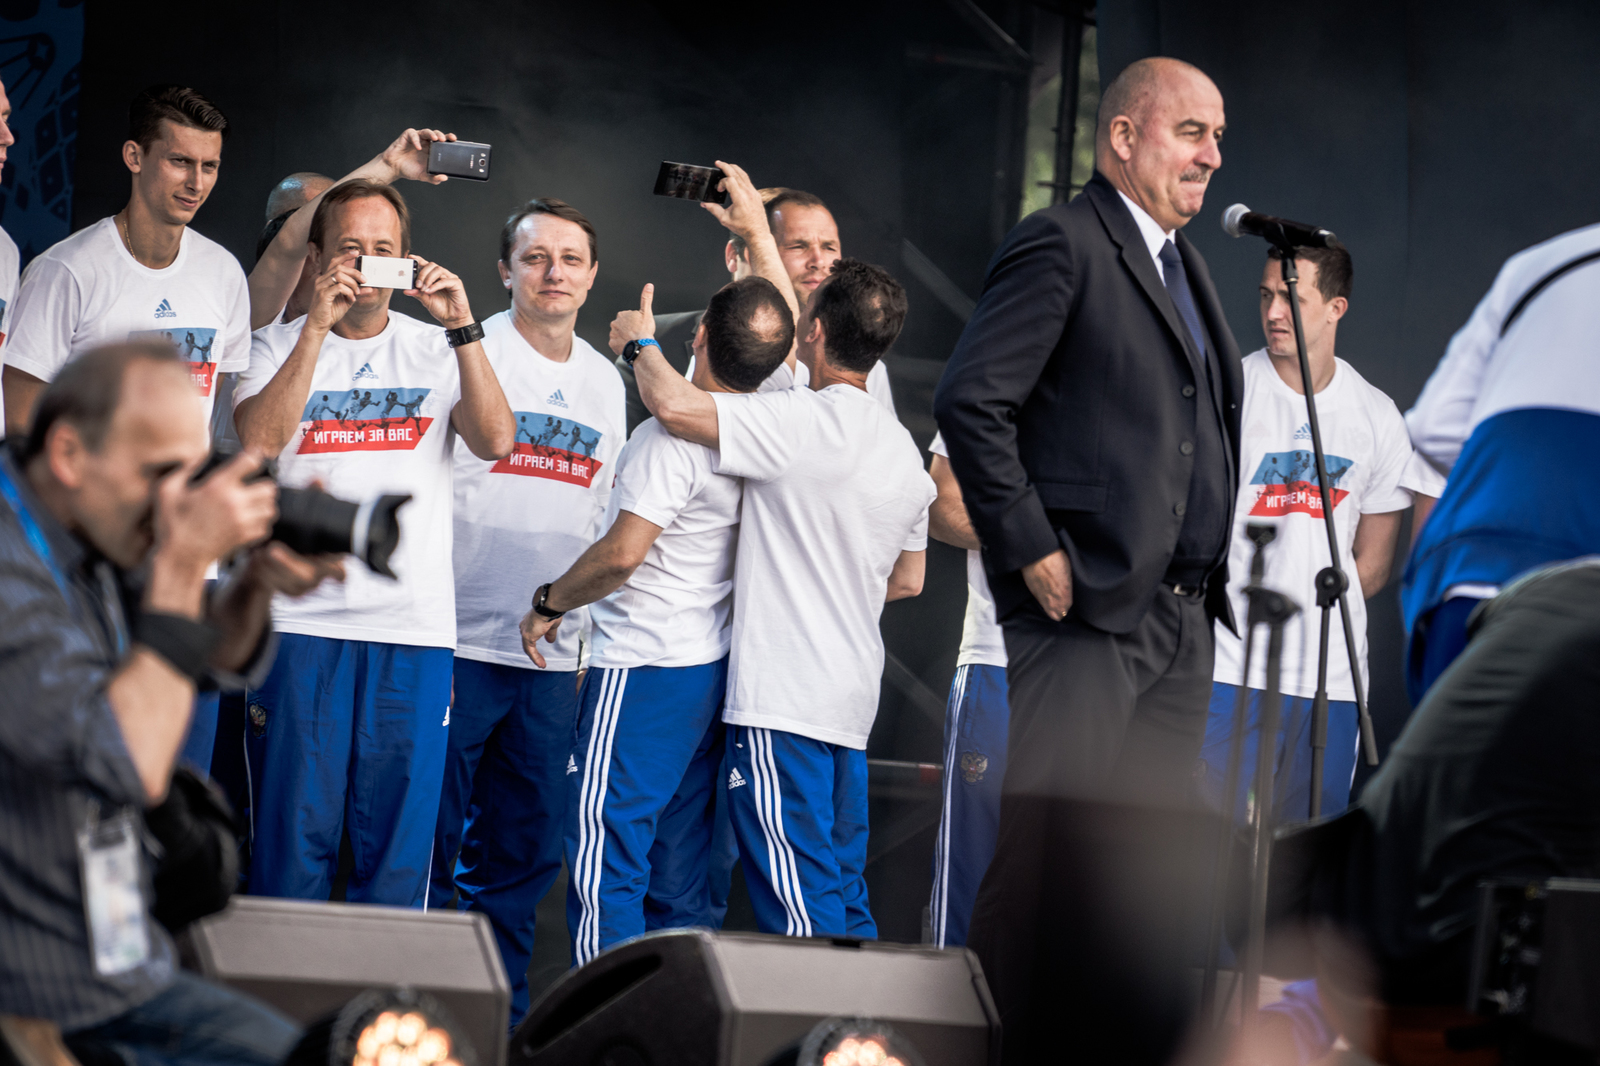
735,779
164,310
556,399
1304,432
365,373
572,765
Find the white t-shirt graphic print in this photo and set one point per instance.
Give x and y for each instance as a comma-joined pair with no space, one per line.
834,491
523,520
87,291
675,609
376,423
1373,471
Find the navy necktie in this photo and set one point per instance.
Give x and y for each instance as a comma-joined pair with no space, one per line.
1176,280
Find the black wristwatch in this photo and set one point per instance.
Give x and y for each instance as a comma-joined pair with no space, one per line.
631,350
540,596
472,331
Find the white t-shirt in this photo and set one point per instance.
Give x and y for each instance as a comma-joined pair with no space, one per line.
800,377
877,381
982,642
523,520
1373,470
834,492
10,261
87,291
675,609
376,423
10,264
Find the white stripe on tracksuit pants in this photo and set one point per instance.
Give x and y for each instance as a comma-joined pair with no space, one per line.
799,810
640,822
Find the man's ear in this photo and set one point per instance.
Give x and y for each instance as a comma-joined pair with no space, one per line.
66,454
815,332
132,156
1122,134
731,258
1338,305
699,343
505,273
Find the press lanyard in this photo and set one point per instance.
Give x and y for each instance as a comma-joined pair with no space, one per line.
31,530
41,547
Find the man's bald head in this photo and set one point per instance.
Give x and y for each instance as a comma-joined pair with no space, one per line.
747,330
1135,91
1158,137
295,192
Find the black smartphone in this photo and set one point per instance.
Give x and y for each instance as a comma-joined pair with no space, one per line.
685,181
459,159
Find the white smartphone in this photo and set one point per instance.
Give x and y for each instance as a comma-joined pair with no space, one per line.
385,272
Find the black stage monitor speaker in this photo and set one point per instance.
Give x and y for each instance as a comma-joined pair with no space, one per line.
309,959
735,999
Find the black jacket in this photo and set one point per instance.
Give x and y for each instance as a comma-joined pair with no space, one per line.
676,333
1067,404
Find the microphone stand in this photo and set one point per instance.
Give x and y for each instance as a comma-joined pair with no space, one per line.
1331,582
1272,609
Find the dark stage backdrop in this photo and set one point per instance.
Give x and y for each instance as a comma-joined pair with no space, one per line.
582,102
1436,138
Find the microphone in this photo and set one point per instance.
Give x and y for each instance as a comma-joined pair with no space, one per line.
1239,220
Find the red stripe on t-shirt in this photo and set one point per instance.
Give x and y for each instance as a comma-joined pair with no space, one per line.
1299,497
202,374
558,464
363,435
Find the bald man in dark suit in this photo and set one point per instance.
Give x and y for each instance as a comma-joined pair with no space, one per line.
1091,411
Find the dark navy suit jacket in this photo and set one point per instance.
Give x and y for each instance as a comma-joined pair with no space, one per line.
1069,400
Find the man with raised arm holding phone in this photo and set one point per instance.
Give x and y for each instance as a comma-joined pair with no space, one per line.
352,719
643,776
282,270
808,243
834,525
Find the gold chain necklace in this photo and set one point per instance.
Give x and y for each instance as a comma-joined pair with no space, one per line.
127,236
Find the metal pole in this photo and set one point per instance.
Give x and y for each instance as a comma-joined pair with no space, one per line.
1291,276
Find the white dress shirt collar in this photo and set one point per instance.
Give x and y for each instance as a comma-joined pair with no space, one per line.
1154,236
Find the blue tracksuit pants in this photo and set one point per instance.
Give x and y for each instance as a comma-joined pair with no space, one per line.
799,810
1438,638
641,800
976,723
347,735
1292,768
202,739
504,800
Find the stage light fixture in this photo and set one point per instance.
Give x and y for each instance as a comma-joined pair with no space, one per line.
856,1042
384,1027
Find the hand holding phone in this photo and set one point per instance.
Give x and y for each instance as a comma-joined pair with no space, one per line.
459,159
685,181
387,272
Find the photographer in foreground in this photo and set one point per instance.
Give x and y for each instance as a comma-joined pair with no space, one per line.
106,636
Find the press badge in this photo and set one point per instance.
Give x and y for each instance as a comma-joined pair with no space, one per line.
113,898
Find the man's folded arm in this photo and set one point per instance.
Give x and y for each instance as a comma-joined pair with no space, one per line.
996,364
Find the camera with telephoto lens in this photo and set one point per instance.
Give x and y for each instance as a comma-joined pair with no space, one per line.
313,522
